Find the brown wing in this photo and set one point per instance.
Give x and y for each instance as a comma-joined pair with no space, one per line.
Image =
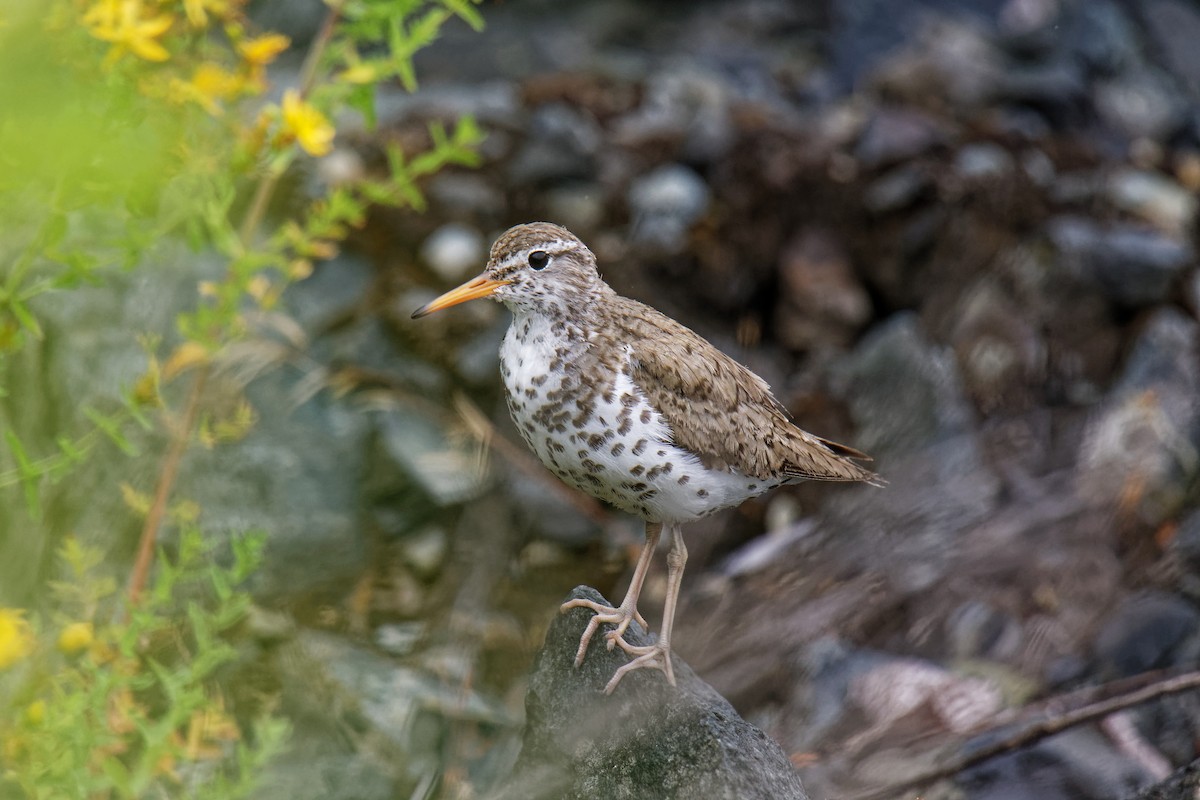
720,410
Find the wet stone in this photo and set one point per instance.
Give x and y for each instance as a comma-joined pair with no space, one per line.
1132,265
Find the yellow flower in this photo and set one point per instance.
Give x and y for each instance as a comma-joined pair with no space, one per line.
308,126
76,637
124,23
358,73
210,85
16,638
262,50
35,712
197,11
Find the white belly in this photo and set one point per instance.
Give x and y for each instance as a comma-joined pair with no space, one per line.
595,430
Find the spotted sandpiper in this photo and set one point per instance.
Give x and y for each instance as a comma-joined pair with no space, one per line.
628,405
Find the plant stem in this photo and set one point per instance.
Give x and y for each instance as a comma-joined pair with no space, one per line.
182,434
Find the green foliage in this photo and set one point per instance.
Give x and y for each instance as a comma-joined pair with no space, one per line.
102,162
136,126
130,709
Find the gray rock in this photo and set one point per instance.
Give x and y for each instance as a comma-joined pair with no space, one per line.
578,206
1057,88
466,193
421,449
664,203
1078,764
296,476
359,716
1155,198
1183,784
455,251
1147,433
896,189
903,391
898,134
562,145
820,300
1141,104
1174,29
1101,35
648,740
983,160
1150,630
1130,264
333,289
686,101
493,102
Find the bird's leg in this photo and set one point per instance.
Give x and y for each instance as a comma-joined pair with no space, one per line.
658,655
622,615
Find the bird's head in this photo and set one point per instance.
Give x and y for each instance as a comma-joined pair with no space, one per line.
538,267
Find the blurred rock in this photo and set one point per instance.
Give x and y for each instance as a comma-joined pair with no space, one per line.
309,507
903,392
977,630
454,251
422,451
1141,451
577,206
1174,27
491,103
896,189
1183,784
399,639
895,134
1148,631
333,289
647,740
821,300
425,551
1001,356
948,58
1141,104
983,160
1078,764
562,145
1155,198
664,203
361,717
1184,549
1099,34
1058,89
687,102
466,193
1132,265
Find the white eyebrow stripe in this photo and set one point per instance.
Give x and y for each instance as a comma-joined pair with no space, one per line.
554,248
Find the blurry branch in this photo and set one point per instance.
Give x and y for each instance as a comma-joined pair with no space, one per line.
1034,732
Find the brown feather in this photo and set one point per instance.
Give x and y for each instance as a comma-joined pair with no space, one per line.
717,408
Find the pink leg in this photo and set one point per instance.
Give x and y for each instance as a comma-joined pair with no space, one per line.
627,611
658,655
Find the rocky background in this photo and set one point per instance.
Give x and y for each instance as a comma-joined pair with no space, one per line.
956,234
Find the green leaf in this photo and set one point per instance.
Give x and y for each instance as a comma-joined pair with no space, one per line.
111,428
362,100
29,474
27,320
118,773
464,10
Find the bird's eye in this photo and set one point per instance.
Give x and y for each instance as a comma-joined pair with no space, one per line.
538,259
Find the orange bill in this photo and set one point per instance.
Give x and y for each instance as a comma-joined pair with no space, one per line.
479,286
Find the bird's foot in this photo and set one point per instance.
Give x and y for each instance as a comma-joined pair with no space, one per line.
621,617
655,656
